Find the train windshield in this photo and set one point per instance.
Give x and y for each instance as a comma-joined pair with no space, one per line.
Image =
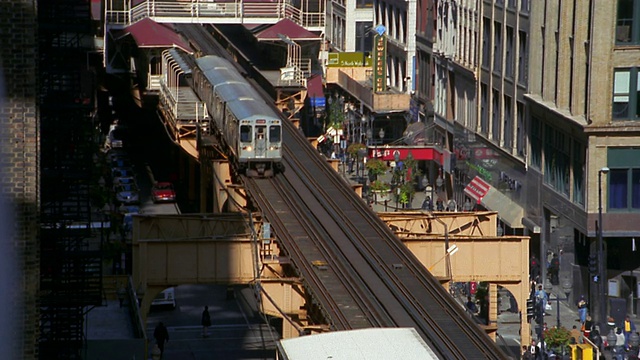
274,133
245,133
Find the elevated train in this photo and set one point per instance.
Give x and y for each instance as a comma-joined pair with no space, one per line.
250,128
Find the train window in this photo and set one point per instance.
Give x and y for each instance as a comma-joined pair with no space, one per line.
245,133
274,133
260,132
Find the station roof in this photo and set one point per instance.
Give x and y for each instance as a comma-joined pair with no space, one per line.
288,28
369,344
149,34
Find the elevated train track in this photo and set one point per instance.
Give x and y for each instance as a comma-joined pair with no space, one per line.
352,265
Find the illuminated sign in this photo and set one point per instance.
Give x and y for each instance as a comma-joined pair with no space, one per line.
380,60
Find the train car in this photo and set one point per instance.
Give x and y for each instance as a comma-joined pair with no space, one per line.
251,129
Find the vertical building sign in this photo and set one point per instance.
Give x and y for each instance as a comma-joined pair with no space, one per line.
380,60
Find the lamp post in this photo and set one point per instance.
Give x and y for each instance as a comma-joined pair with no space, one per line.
602,297
381,134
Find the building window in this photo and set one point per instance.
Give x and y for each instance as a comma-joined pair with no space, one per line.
520,132
497,47
495,119
508,124
508,62
628,22
364,36
624,179
486,42
523,57
484,109
626,93
556,159
579,152
536,143
524,6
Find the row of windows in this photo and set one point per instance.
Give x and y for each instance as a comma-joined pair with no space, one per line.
508,46
623,179
564,159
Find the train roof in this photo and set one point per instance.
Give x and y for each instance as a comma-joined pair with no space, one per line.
218,70
362,344
247,108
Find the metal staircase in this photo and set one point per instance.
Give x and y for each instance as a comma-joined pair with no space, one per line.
70,265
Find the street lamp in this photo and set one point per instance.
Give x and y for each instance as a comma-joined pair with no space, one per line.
381,134
601,269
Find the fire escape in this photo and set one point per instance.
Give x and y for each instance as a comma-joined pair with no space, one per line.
70,269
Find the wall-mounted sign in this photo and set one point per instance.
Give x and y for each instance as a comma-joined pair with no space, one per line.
380,60
349,59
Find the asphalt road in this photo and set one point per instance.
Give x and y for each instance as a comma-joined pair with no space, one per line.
238,331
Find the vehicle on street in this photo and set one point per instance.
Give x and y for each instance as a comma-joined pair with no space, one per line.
127,194
163,192
121,172
124,180
166,298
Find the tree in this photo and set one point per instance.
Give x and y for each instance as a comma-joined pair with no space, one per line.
354,148
557,338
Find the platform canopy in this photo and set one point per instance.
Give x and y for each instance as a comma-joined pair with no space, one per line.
362,344
150,34
287,28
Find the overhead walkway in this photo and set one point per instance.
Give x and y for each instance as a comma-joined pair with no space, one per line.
309,14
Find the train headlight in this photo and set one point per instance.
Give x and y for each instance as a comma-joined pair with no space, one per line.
247,148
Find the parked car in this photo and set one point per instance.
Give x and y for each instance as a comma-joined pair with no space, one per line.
127,194
121,172
122,180
166,298
163,192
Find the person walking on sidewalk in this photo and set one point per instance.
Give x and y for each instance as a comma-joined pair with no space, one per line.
161,335
629,328
582,308
206,322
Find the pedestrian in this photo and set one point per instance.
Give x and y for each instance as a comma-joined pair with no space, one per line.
534,268
587,327
471,306
161,335
629,328
526,354
427,204
575,334
554,270
542,298
206,321
582,308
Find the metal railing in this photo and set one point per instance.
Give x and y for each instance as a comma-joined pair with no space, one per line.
120,12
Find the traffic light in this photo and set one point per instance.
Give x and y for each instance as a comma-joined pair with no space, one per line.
531,308
593,264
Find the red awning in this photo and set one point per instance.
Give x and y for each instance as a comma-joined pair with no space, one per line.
389,153
288,28
477,189
314,87
149,34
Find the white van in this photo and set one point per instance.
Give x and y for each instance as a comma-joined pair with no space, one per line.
166,298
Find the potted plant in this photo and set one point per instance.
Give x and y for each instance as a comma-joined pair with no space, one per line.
376,167
354,149
381,189
557,339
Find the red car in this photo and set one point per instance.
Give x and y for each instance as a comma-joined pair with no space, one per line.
163,192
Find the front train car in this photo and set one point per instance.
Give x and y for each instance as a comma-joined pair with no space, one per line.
251,129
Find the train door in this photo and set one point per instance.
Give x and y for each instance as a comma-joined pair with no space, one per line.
261,141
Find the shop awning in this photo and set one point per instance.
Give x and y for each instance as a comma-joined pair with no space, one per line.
491,198
477,189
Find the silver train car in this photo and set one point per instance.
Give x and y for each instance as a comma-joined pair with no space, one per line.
251,129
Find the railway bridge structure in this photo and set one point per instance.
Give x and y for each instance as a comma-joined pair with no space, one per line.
323,259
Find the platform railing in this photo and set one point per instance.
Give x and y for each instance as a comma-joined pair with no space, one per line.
120,12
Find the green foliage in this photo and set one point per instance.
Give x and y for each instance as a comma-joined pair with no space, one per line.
406,193
380,185
353,149
557,337
335,114
376,167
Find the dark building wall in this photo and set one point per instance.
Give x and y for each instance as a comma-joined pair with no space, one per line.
19,141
